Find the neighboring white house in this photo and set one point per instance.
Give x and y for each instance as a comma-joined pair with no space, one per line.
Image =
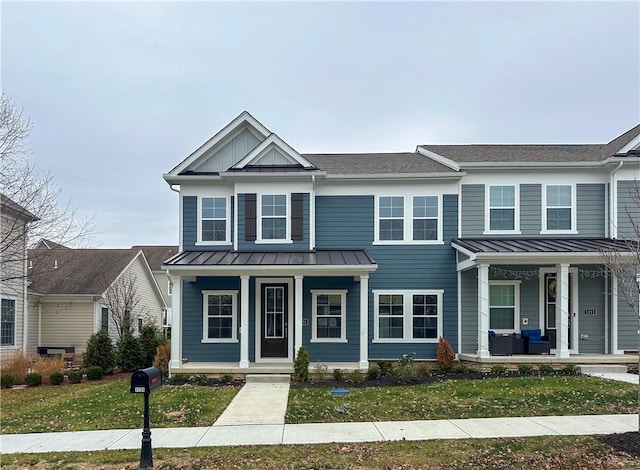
14,222
69,291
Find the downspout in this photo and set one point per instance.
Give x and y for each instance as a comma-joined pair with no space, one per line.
179,216
613,204
312,215
25,300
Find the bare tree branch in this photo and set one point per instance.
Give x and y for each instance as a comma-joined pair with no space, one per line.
125,304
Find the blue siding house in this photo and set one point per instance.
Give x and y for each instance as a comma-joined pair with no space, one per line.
365,257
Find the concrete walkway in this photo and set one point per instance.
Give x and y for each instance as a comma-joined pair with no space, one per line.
256,417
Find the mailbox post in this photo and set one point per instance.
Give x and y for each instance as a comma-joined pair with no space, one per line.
146,381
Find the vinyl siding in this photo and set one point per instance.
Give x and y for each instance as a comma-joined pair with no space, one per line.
591,209
530,209
190,226
469,311
231,153
472,210
628,209
67,323
627,326
149,301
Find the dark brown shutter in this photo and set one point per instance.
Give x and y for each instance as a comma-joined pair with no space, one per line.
296,216
250,217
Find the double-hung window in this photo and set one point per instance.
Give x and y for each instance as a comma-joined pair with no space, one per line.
408,316
219,321
425,218
559,211
7,322
502,213
273,217
105,319
504,311
329,316
391,218
214,220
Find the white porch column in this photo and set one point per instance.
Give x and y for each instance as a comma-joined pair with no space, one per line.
364,322
483,310
244,322
298,315
562,316
176,323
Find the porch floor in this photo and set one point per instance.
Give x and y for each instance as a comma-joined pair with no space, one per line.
627,359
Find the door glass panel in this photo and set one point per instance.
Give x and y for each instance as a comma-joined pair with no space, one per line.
274,312
551,289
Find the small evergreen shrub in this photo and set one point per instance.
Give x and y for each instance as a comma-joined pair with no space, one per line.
199,379
150,339
406,370
355,377
462,369
94,373
100,352
226,378
56,378
385,368
498,369
525,369
301,365
373,373
33,379
571,369
545,369
161,360
129,353
338,375
7,380
178,379
445,354
75,376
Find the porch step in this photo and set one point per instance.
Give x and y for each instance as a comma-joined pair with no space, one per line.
602,369
268,378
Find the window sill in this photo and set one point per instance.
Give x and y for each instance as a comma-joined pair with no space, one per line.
201,243
328,340
407,242
214,341
272,242
405,341
502,232
558,232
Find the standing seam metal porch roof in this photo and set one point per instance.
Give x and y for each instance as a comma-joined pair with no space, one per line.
543,245
337,258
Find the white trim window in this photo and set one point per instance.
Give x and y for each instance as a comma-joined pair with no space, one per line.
407,316
502,209
273,221
504,306
7,322
329,316
219,316
408,220
213,222
559,214
104,318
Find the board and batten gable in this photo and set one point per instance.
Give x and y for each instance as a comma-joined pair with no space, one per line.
239,145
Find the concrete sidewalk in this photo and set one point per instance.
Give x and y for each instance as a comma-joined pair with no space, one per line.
316,433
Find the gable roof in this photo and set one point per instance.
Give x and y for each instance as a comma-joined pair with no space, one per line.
619,143
78,271
157,254
275,142
6,203
45,244
376,163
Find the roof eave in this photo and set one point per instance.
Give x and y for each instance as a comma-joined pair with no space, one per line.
530,165
396,176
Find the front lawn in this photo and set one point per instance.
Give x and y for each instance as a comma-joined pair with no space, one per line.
109,405
451,399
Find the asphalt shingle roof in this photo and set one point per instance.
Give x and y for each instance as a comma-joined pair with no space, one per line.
157,254
376,163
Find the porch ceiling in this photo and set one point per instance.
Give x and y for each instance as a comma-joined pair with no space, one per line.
327,262
538,250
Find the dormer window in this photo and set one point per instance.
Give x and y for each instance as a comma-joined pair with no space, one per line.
214,221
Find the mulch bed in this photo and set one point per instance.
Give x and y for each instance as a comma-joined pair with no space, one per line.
628,442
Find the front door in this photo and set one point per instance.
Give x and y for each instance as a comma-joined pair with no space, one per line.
274,320
552,308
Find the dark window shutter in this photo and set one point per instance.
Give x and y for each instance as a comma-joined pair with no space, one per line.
250,217
296,216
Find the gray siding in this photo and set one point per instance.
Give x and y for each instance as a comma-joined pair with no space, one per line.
472,210
231,153
469,311
591,209
628,209
295,245
627,326
530,209
591,297
529,299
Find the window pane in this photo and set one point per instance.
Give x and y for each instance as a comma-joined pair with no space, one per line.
501,318
425,206
502,196
214,208
7,322
425,229
214,230
329,327
425,327
220,328
392,206
390,327
558,196
559,219
391,229
500,296
502,219
274,229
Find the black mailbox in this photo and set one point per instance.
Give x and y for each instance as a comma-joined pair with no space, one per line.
146,380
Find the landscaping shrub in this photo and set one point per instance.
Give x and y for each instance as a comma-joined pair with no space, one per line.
75,376
199,379
301,365
338,375
161,360
385,368
100,352
7,380
129,353
46,366
571,369
445,354
17,365
150,339
499,369
462,369
178,379
545,369
94,373
226,378
355,377
56,378
373,373
405,371
320,370
526,369
33,379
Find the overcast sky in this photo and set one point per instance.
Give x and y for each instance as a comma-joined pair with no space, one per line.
119,93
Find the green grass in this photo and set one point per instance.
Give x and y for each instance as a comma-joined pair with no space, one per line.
450,399
584,452
109,405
